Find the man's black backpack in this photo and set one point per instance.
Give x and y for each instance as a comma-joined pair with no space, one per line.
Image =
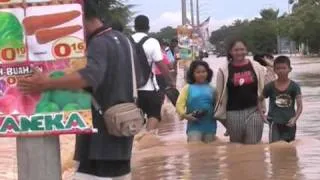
143,68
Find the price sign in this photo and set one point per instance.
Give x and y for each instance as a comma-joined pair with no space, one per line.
9,55
68,47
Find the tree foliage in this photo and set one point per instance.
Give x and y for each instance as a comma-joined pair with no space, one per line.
116,11
166,33
260,33
301,26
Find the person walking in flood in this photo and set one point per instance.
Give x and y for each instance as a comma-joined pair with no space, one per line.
239,84
150,98
160,78
283,93
196,102
101,155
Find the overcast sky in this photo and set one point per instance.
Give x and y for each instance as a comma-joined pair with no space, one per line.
164,13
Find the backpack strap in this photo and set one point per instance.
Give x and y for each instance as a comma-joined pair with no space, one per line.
140,43
134,78
143,40
131,39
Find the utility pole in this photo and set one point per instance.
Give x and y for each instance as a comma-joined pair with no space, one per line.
198,13
192,12
184,12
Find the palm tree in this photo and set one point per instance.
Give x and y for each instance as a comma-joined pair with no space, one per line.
115,11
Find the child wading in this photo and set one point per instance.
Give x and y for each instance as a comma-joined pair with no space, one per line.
196,103
284,94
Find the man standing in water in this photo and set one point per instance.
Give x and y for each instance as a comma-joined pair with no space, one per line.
108,75
150,99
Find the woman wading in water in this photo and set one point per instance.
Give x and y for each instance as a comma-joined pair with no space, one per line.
239,84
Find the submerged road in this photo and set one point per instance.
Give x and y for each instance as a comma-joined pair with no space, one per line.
169,157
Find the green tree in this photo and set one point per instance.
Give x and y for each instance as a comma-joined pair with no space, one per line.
269,14
304,23
260,33
166,33
117,10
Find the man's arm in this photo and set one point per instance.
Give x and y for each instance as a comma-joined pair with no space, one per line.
71,81
90,76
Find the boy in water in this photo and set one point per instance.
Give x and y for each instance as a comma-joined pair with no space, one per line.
283,94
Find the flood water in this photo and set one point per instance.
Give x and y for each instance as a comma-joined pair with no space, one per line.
169,157
173,158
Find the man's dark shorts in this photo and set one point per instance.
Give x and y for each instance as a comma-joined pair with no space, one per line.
281,132
151,102
102,168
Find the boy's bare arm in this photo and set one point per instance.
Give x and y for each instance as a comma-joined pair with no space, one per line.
294,120
299,107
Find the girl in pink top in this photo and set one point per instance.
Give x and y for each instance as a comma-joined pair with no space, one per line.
160,79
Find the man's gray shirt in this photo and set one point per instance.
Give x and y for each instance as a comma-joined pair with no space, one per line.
108,73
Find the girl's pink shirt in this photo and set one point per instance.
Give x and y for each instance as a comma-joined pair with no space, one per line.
165,61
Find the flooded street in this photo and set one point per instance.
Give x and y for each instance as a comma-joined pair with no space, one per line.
171,158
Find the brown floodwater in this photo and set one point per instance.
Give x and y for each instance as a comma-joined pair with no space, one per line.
172,158
169,157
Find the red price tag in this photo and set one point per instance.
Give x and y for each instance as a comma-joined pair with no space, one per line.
69,47
12,54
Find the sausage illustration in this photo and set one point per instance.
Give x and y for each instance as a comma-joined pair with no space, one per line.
44,36
34,23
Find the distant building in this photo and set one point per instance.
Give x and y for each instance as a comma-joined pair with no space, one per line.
287,46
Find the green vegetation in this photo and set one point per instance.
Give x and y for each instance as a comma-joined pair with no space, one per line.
166,33
63,100
11,31
301,26
118,10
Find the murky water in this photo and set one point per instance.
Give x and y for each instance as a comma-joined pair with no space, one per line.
171,158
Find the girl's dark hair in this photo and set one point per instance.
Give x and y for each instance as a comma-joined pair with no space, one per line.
193,66
231,45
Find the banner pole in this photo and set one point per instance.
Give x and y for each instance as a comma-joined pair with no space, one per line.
39,158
